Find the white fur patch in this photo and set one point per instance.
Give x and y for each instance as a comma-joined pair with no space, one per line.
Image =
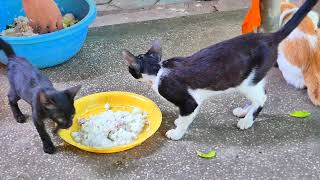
297,34
255,93
245,123
314,17
150,79
162,73
292,74
182,125
247,82
155,80
201,95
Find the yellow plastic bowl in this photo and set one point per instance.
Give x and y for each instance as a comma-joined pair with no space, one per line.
94,104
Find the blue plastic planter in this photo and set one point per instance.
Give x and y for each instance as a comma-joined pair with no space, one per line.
53,48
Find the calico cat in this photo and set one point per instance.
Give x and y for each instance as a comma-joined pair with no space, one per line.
238,64
299,53
27,83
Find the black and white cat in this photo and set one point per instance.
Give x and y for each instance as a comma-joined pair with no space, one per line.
238,64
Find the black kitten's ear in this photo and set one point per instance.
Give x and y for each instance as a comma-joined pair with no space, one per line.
131,59
45,100
156,47
72,92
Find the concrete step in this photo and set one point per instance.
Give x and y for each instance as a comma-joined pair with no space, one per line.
113,12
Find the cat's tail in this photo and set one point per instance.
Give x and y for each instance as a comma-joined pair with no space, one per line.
6,48
285,31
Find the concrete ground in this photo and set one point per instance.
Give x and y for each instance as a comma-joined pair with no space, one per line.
277,147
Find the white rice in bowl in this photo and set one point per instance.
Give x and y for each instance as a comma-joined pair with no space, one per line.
110,128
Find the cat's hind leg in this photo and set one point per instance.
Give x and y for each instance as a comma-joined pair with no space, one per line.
242,112
13,102
257,95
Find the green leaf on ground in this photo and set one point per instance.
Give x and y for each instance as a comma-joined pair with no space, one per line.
300,114
209,155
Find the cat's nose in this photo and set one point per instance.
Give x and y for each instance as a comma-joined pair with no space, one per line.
66,125
69,124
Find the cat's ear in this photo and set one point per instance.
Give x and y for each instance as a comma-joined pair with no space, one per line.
72,92
130,59
156,47
45,100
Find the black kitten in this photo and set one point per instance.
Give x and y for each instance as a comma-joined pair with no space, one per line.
27,83
238,64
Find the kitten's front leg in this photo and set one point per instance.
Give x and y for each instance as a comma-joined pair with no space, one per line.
48,146
187,114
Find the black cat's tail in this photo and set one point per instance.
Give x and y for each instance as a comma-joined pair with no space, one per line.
302,12
6,48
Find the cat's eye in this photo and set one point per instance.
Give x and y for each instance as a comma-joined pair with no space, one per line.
152,55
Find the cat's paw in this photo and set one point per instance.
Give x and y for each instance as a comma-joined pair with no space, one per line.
50,149
239,112
245,123
175,134
21,118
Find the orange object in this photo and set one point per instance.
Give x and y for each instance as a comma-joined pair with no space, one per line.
252,21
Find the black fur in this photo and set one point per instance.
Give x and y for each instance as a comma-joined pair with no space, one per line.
177,93
6,48
218,67
257,112
27,83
